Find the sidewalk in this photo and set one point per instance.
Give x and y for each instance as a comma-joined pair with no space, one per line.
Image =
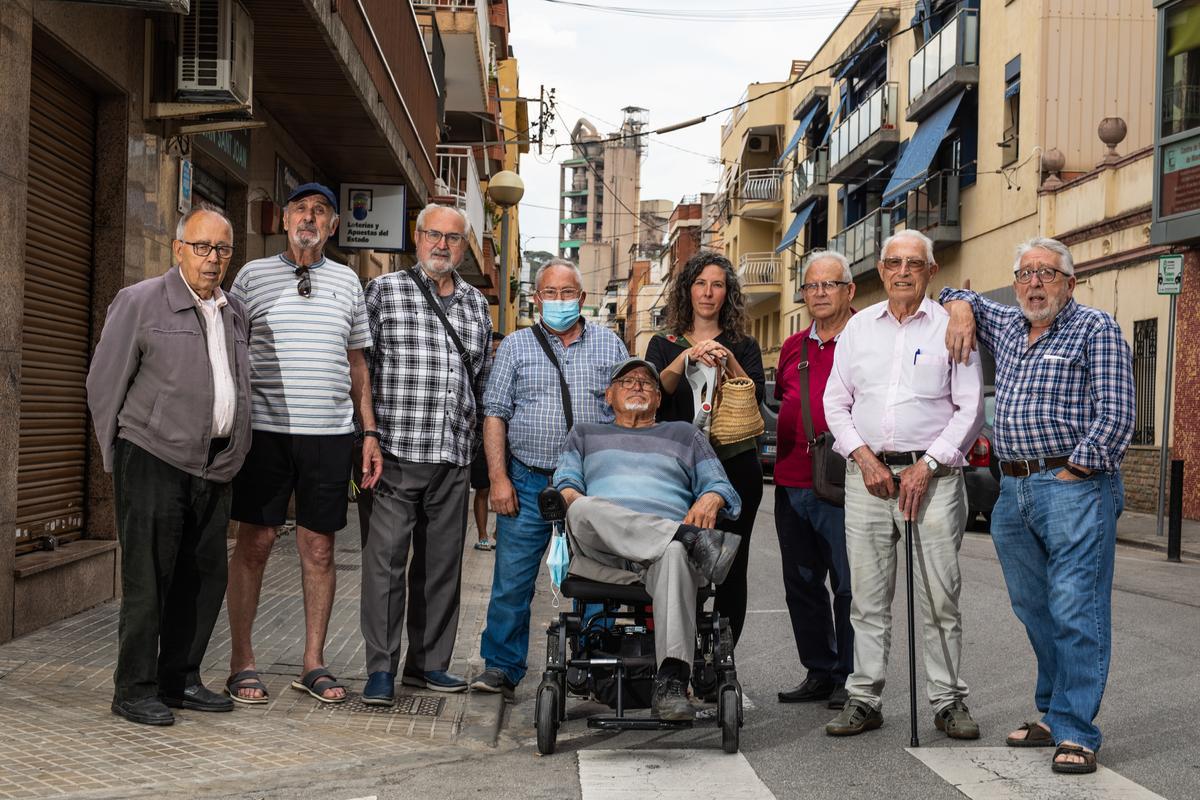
1141,530
61,739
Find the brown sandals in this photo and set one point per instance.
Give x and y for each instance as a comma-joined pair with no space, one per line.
1071,767
1035,736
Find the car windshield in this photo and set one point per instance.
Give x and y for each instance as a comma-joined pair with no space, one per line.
989,408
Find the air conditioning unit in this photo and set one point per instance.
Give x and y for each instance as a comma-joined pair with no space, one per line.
216,54
759,144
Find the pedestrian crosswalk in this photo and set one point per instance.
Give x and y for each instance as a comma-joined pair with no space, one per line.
682,774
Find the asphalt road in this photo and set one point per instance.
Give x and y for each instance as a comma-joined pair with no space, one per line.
1150,714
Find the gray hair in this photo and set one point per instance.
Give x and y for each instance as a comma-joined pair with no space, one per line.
558,262
909,233
1065,263
195,211
427,210
830,255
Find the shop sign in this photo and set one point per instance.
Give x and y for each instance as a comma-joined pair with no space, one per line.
373,217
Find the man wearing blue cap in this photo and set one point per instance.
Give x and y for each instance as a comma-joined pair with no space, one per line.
308,378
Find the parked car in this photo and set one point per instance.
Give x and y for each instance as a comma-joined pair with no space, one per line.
767,442
982,474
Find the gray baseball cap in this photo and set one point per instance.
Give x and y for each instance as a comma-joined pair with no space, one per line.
628,364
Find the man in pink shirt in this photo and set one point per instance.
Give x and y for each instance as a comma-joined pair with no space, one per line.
812,531
899,407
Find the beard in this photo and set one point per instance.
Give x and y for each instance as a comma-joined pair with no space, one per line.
438,264
305,237
638,405
1046,313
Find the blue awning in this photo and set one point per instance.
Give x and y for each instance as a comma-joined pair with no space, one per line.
849,63
835,119
913,166
799,134
1012,88
797,225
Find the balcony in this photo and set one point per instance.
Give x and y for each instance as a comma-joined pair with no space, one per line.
861,242
933,208
868,134
458,185
466,35
948,62
760,193
759,275
810,177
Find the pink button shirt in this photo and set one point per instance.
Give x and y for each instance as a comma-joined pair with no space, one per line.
224,388
894,388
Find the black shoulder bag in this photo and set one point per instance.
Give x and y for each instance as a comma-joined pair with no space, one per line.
828,468
437,309
540,335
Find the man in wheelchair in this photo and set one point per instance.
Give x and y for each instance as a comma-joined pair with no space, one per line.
642,499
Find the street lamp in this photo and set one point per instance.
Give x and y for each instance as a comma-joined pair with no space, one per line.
506,190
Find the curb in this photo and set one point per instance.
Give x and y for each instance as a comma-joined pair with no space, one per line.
482,719
1154,547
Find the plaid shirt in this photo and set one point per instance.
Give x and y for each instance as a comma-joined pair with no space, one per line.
524,390
428,407
1070,393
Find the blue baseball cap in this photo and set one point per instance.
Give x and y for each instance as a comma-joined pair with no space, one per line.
305,189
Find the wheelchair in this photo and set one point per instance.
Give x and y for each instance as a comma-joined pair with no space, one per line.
603,649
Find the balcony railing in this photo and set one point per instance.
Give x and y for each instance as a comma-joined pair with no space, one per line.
877,112
860,243
955,45
459,180
810,172
761,184
755,269
1180,108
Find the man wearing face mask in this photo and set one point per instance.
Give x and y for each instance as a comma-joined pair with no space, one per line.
524,430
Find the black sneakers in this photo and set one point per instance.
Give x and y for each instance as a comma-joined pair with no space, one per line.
670,700
494,680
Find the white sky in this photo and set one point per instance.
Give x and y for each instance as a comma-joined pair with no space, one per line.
601,62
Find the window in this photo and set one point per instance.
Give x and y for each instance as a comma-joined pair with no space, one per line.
1181,69
1010,140
1145,369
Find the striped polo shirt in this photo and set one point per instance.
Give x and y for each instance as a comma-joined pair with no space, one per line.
299,372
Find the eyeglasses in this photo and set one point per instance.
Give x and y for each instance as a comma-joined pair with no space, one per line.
451,238
203,249
914,264
827,286
1045,274
304,287
559,294
636,383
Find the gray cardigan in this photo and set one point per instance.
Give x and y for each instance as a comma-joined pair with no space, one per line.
151,382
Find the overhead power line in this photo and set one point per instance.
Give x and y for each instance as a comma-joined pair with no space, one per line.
774,14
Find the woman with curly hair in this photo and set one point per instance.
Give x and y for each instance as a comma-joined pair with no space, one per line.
706,322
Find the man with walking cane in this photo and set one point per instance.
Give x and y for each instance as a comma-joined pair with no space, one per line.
900,410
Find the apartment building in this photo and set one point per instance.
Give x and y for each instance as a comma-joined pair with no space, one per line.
980,123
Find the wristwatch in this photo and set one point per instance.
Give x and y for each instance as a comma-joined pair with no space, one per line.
930,462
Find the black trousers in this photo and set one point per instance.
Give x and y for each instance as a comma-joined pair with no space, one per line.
745,473
171,526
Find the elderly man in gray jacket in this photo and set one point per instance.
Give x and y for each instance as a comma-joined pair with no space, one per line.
169,392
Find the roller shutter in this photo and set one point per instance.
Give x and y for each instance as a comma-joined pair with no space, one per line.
52,463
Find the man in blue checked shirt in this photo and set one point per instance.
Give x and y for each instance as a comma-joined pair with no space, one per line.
524,430
1064,417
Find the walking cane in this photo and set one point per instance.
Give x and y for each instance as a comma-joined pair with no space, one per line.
912,639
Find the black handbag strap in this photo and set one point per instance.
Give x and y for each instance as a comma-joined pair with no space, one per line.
565,390
805,411
437,309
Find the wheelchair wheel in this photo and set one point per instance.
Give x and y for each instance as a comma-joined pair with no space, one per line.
729,712
547,712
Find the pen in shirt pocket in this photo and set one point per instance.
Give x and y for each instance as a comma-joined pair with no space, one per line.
915,356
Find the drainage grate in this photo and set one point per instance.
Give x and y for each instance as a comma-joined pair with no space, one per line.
405,704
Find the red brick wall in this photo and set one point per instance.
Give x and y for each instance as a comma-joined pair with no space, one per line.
1186,401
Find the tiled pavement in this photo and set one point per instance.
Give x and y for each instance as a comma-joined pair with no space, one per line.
58,737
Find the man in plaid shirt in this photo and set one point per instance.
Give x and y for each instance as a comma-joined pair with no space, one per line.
1064,417
429,411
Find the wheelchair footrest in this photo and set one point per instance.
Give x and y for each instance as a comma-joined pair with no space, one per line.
637,723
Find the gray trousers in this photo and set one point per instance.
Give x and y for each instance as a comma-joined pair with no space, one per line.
417,509
608,539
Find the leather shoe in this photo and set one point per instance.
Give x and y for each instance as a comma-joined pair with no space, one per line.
380,689
144,710
713,552
199,698
839,698
812,690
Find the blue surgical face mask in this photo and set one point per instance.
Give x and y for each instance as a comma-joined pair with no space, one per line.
560,314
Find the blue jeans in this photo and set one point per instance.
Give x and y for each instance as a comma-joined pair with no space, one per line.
1056,541
812,543
520,547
